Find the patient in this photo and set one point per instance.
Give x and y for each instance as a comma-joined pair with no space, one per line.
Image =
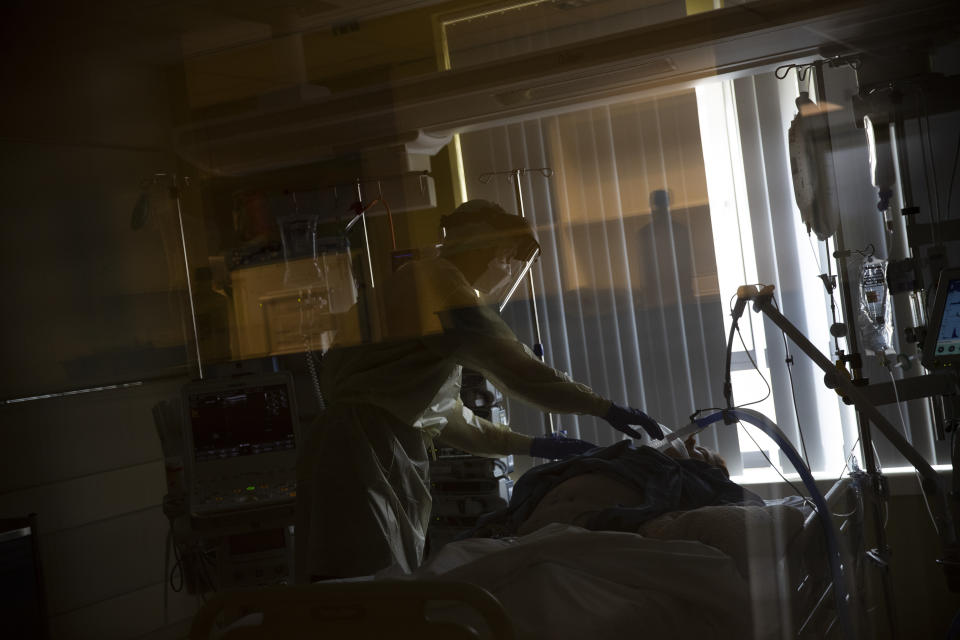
623,538
579,498
617,488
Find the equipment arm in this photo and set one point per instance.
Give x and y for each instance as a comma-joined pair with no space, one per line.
932,485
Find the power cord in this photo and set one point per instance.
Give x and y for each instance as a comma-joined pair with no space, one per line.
903,425
736,312
760,373
953,174
796,490
788,359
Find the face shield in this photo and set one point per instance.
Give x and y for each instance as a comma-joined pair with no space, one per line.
506,274
495,248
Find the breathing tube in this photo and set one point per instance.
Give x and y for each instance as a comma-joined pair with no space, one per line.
829,532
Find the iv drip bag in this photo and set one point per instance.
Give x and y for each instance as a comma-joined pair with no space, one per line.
811,164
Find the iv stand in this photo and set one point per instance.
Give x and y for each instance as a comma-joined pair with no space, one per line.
854,358
173,188
516,174
175,193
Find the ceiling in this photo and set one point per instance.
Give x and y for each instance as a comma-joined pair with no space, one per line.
166,31
644,61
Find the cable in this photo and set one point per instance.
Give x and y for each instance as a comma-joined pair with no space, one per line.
813,249
736,312
760,373
846,463
314,376
876,454
393,233
728,386
953,174
933,165
166,564
903,425
924,149
827,279
177,569
770,462
953,439
736,327
788,359
886,506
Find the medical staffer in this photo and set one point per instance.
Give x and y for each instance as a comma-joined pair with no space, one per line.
363,496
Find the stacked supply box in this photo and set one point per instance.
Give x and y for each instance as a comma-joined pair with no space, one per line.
464,486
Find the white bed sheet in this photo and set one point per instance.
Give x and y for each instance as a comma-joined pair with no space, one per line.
564,581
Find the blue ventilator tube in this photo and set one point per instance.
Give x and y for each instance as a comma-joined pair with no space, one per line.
829,532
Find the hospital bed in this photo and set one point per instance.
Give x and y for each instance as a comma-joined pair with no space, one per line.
790,590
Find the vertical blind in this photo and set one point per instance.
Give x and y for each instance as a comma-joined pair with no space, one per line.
628,290
627,286
791,261
787,257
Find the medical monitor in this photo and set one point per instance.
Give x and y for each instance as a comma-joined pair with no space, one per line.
942,345
241,439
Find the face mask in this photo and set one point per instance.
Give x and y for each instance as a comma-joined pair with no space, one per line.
496,277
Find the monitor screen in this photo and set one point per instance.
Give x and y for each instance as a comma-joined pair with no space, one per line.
948,334
241,422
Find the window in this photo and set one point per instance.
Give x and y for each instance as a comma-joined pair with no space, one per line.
790,259
658,209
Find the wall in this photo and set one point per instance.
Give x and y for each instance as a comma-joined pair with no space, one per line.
87,300
90,300
923,605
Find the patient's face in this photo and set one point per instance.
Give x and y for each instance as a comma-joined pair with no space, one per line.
574,500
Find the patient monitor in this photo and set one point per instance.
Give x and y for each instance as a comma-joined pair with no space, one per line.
941,349
231,511
240,441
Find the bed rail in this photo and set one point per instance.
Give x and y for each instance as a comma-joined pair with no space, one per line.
395,609
813,610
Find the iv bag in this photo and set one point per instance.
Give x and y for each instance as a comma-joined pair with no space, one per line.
874,319
811,165
318,284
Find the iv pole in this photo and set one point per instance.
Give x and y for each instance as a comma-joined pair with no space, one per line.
882,552
141,207
516,174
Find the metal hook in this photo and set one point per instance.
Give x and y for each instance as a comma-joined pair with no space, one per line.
484,178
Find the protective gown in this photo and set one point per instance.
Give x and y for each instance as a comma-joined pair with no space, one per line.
363,499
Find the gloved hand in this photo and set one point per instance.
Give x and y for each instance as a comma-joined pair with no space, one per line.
556,447
620,418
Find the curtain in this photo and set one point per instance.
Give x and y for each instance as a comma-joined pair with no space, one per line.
631,297
627,289
764,107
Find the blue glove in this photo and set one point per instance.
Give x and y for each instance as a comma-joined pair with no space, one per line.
557,447
620,418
